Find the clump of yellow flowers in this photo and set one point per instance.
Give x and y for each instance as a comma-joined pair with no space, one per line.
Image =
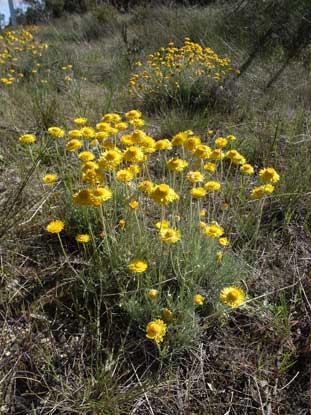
175,190
16,46
191,67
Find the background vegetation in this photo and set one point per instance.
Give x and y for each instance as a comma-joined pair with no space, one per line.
66,347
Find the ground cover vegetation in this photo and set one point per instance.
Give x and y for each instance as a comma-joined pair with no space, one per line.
155,210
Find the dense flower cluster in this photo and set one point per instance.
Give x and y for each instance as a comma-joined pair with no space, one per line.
117,152
22,57
172,68
16,46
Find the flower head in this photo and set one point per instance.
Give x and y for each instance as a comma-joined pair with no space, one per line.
212,186
232,296
83,238
146,186
153,294
80,120
214,230
247,169
167,314
169,235
195,176
27,138
261,191
134,204
138,265
74,144
269,175
198,192
156,330
86,156
55,226
49,178
164,194
211,167
176,164
110,159
198,299
56,132
162,224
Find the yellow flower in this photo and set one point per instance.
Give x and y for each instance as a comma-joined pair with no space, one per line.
219,255
179,139
202,151
221,142
148,144
211,167
74,144
164,194
74,133
261,191
134,168
214,230
224,241
146,186
231,137
80,120
195,176
167,314
55,226
27,138
134,154
247,169
99,195
212,186
83,238
111,117
121,126
133,114
192,142
110,159
239,159
156,330
87,132
163,144
169,235
198,192
49,178
86,156
138,265
269,175
125,175
202,212
176,164
153,294
137,122
83,197
134,204
162,224
122,223
56,132
217,154
198,299
232,296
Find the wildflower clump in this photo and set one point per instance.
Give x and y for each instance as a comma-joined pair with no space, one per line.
156,214
185,75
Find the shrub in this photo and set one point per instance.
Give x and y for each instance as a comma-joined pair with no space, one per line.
153,220
191,77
